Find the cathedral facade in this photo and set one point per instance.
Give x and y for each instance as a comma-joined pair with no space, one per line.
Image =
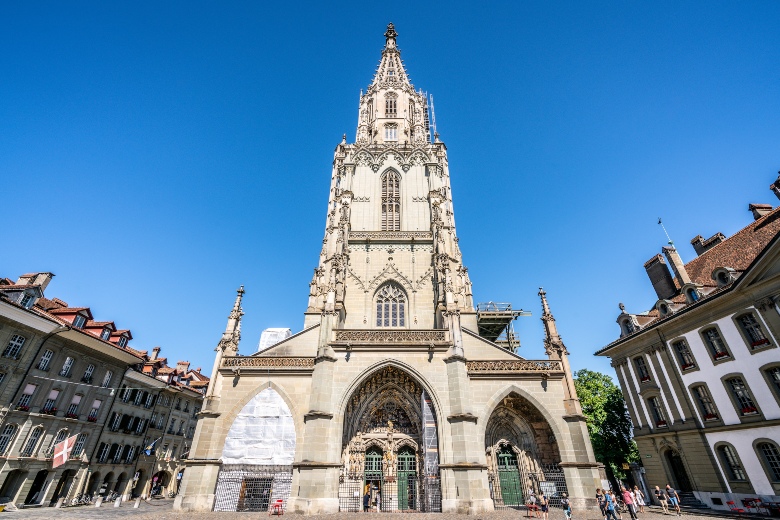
398,394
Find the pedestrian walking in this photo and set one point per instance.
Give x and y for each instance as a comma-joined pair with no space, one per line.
366,502
639,499
629,501
566,505
610,505
674,498
660,495
543,505
602,502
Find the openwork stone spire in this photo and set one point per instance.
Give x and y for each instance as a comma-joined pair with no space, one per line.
232,335
391,68
553,345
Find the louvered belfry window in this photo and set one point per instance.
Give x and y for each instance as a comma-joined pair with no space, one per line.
391,201
390,306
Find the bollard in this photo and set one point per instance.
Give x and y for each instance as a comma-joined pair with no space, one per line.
99,502
59,503
117,502
137,503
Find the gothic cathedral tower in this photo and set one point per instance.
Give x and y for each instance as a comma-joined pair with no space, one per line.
399,393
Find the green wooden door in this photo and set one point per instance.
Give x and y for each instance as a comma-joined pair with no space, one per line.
407,473
509,478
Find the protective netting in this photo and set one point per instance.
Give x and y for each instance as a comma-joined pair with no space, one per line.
246,487
263,433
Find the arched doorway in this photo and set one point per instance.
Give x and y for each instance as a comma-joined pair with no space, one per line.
63,486
390,446
677,470
522,454
108,481
34,496
94,483
138,485
13,481
160,482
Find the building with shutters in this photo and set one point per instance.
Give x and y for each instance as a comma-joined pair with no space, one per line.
398,385
63,374
700,369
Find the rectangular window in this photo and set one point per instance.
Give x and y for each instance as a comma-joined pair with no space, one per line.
115,421
67,367
27,300
732,464
739,391
658,412
149,401
715,344
32,442
130,455
14,346
139,397
753,332
118,455
107,379
2,377
93,413
705,403
103,453
160,422
140,428
79,321
122,342
78,448
24,400
641,367
773,374
391,109
73,408
9,432
106,334
43,364
684,355
87,377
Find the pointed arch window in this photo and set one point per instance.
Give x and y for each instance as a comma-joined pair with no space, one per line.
391,105
390,306
391,201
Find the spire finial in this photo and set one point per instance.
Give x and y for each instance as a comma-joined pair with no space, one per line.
390,35
232,335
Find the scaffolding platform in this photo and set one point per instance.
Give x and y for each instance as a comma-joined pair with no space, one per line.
494,322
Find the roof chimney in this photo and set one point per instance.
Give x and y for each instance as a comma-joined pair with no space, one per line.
197,370
155,352
760,210
678,267
660,277
702,246
41,279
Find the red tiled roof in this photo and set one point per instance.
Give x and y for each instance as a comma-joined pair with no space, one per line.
736,252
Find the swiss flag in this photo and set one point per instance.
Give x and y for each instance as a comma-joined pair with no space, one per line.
62,451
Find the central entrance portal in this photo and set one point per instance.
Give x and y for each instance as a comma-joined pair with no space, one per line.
390,457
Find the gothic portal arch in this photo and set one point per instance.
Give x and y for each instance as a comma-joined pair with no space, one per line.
522,452
389,440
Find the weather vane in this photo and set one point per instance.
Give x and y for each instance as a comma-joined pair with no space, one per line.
671,242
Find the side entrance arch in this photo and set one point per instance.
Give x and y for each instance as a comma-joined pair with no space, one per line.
676,469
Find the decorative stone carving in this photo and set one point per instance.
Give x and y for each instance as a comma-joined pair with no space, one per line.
268,362
514,366
390,235
390,336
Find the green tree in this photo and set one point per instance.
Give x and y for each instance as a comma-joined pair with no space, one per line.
609,424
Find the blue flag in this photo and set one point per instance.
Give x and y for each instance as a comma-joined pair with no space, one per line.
150,449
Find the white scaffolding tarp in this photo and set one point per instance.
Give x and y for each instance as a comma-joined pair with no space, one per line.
271,337
263,432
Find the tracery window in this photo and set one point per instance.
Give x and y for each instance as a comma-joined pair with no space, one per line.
391,106
390,306
391,201
391,132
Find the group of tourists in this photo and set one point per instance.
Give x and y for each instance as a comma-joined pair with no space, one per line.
540,504
611,503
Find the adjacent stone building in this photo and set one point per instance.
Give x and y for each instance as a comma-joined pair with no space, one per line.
700,370
63,374
398,386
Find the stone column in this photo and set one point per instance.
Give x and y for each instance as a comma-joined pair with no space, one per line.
316,471
464,477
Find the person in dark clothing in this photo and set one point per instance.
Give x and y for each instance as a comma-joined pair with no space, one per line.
366,502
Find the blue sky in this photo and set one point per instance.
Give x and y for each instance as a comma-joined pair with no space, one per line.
155,156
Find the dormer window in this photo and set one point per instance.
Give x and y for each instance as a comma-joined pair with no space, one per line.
123,341
692,294
106,334
79,321
627,326
27,300
723,275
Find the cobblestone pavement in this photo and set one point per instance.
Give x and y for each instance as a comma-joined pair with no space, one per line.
163,510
